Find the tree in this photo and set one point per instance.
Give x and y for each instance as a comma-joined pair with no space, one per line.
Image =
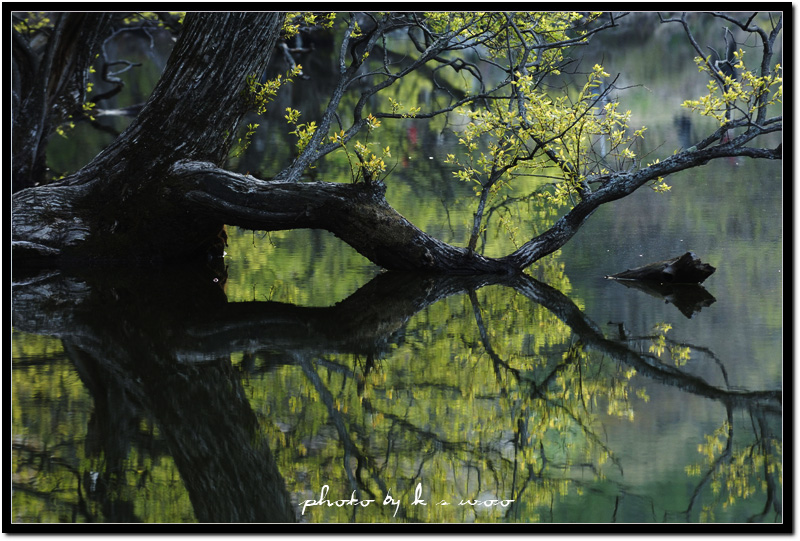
161,191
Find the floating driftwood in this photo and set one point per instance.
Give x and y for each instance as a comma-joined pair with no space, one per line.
685,269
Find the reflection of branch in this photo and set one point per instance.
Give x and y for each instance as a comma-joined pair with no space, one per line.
701,349
337,419
538,391
205,327
723,457
155,338
497,362
538,387
422,434
45,456
772,500
646,365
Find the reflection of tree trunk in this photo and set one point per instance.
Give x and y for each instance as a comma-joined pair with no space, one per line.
121,343
224,460
766,443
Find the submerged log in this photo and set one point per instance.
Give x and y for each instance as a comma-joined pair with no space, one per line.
685,269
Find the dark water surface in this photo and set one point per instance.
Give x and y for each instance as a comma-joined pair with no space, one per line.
238,392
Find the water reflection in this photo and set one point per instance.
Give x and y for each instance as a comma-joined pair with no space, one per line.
123,340
165,397
688,298
478,389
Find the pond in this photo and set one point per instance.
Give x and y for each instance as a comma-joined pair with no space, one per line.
296,381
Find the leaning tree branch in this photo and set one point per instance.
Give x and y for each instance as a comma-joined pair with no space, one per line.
356,213
360,215
618,186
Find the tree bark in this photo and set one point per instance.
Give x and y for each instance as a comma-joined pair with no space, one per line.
49,86
356,213
124,205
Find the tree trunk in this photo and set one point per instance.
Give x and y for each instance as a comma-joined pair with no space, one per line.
158,192
49,87
124,205
356,213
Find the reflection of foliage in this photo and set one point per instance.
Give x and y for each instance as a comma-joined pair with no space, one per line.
737,474
61,471
512,416
477,396
680,354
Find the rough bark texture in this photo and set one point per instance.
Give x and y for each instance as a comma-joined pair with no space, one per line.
123,205
357,213
49,85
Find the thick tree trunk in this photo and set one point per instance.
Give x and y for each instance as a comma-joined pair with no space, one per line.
124,205
357,213
158,193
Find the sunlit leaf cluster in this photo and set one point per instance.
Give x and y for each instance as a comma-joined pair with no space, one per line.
502,34
261,94
33,22
555,137
295,21
365,165
744,93
149,16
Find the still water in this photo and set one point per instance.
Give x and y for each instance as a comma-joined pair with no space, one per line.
295,373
